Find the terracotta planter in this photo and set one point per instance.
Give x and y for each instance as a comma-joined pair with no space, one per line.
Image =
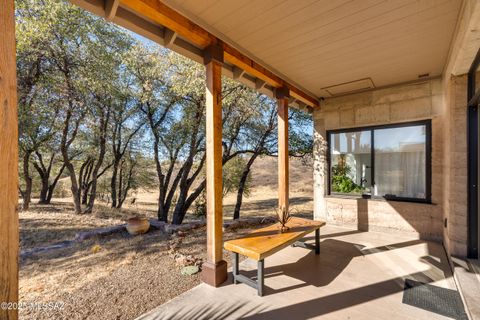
137,226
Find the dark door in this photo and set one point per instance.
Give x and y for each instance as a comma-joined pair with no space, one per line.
473,158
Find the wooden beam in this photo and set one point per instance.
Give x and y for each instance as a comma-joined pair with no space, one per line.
214,270
283,165
167,17
160,13
111,7
9,240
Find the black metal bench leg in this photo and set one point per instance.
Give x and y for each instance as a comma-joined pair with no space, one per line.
260,271
317,241
235,267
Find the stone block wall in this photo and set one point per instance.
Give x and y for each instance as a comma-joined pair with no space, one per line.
455,164
397,104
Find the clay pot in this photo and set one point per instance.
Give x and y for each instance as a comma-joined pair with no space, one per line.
137,226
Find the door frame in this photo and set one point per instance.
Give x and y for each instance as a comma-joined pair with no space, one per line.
473,98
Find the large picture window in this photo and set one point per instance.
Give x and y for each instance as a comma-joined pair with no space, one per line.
391,162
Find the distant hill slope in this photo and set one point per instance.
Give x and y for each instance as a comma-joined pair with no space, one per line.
263,196
265,174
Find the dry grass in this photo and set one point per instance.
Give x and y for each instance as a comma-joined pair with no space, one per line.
100,278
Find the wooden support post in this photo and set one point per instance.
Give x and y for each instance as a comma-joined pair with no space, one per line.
282,95
214,270
9,164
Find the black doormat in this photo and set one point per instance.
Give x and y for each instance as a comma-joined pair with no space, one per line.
445,302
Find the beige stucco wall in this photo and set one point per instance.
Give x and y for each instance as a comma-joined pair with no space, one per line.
402,103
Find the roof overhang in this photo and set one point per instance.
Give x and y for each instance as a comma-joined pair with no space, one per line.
165,26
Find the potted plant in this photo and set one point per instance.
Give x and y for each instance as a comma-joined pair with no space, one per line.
283,216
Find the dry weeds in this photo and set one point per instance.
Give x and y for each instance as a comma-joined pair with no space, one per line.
120,276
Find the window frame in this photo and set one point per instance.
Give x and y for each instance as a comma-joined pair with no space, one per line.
428,161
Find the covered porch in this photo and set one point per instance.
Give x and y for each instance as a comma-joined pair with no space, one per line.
358,275
337,69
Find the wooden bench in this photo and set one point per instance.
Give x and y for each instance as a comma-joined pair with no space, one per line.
264,242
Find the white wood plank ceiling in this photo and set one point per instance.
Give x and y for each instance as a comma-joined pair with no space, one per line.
323,43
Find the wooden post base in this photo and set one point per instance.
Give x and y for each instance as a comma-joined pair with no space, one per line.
214,274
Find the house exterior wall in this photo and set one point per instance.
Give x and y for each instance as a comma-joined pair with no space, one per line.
442,101
455,166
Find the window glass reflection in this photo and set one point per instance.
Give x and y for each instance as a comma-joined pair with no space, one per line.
350,170
400,157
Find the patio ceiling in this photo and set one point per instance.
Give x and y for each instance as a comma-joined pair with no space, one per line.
322,43
316,48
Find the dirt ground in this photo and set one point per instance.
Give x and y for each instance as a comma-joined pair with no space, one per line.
121,276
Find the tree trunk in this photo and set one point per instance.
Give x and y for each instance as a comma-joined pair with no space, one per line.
104,118
68,164
162,214
84,179
51,188
44,190
123,190
113,182
44,172
27,194
67,141
74,188
184,187
180,210
241,186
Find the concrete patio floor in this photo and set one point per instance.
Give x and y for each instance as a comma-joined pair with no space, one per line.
358,275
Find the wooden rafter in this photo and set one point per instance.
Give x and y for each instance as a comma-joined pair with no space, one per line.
237,73
169,37
111,7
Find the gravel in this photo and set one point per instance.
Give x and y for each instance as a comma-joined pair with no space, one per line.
115,277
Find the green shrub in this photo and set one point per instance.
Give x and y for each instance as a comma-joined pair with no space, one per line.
341,181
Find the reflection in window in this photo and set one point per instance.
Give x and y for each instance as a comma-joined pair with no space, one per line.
400,157
351,162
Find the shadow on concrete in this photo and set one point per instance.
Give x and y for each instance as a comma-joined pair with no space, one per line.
210,311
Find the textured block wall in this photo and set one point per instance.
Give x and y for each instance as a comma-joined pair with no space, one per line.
404,103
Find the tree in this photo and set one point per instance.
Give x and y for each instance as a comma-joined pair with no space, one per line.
33,89
260,133
83,54
126,124
189,83
45,170
133,174
107,103
155,99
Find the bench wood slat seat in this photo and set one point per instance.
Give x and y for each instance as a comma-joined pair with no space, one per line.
264,242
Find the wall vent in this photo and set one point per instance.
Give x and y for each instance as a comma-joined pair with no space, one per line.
350,87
